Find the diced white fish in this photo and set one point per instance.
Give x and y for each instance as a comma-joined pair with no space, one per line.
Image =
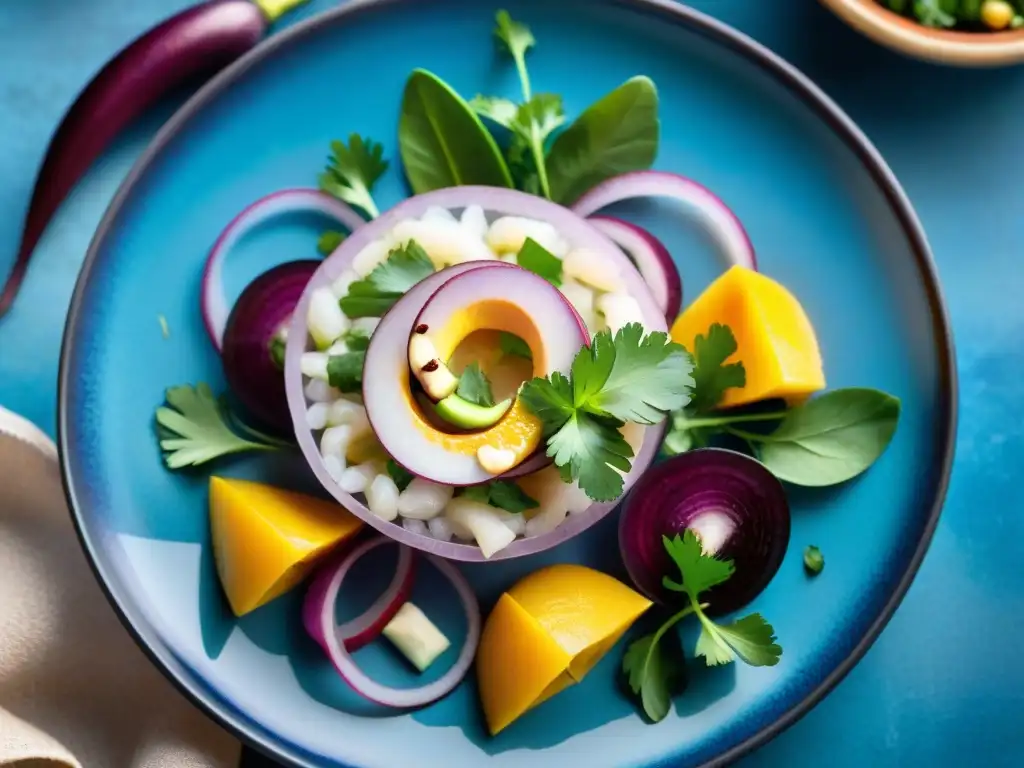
424,500
316,416
335,441
508,234
593,268
371,256
483,522
342,283
545,521
412,525
382,497
358,478
319,391
324,318
445,243
314,365
440,529
437,213
474,221
619,310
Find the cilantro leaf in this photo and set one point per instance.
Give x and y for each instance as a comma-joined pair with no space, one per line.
711,375
700,572
352,171
194,429
479,493
650,376
539,260
516,37
591,368
494,108
329,241
345,372
511,344
654,671
376,293
751,638
401,476
550,400
510,497
475,387
588,449
501,494
357,340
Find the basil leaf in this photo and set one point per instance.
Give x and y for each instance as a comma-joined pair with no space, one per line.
442,141
831,438
539,260
615,135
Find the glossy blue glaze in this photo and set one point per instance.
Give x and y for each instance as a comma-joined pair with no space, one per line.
923,693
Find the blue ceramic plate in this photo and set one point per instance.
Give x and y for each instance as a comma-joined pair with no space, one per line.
824,212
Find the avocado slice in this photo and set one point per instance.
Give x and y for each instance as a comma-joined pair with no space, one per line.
461,413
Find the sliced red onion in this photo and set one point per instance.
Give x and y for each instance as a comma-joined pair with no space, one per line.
580,234
367,626
318,618
723,225
731,501
263,309
213,302
652,259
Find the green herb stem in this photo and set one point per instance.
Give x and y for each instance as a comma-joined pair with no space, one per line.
722,421
753,437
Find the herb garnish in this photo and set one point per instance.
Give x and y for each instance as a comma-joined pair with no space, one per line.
399,474
475,387
501,494
352,171
539,260
628,377
651,671
329,241
814,561
511,344
375,294
194,428
345,371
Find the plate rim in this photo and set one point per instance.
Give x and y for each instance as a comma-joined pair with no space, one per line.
675,14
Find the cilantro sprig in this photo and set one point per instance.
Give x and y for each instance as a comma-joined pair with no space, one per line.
501,494
194,428
625,377
376,293
352,170
652,671
475,387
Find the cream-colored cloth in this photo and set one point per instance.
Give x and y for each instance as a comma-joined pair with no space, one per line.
74,689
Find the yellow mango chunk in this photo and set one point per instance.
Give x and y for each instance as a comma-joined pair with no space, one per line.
546,633
775,340
266,539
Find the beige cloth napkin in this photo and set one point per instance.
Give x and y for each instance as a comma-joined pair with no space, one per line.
74,689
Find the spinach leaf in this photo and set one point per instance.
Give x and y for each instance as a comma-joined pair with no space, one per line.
615,135
442,141
831,438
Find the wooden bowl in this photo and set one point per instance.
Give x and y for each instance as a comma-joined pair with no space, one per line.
960,49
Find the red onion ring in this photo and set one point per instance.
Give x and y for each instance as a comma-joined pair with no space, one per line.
318,618
213,302
723,225
367,626
652,259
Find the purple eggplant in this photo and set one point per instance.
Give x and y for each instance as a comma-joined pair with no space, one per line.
199,41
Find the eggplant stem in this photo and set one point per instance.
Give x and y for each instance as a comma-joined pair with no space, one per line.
275,9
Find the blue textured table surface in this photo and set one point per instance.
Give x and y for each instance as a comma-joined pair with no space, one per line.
943,685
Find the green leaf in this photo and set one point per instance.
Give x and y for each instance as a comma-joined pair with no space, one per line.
650,376
511,344
653,671
276,350
814,561
539,260
516,37
376,293
751,638
931,14
550,400
496,109
700,572
442,141
615,135
345,372
352,171
832,438
399,474
711,375
538,118
478,493
589,450
357,340
591,368
194,429
329,242
510,497
475,387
